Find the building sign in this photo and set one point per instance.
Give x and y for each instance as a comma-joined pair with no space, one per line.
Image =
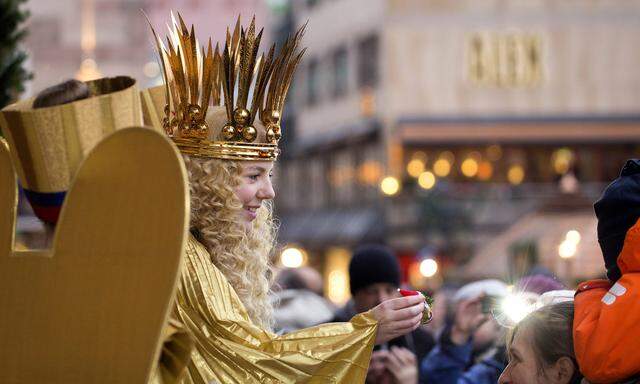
510,60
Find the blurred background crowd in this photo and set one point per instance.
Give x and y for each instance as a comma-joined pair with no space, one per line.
453,147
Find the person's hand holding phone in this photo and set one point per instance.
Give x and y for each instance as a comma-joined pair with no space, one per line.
468,317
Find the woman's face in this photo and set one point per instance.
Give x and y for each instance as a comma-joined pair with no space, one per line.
523,365
255,187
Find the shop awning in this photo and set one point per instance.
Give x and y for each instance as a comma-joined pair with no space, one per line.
526,129
327,227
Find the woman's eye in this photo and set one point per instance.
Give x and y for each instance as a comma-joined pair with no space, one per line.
253,177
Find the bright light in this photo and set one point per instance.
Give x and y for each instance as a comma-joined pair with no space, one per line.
292,257
573,236
567,249
469,167
442,167
427,180
415,167
390,186
515,174
428,267
338,286
516,307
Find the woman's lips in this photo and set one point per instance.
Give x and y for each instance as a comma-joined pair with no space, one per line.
252,212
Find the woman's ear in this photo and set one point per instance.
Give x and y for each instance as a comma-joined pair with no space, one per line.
562,371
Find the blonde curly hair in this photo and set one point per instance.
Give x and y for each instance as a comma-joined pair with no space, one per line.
243,256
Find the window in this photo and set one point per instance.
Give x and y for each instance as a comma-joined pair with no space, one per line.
368,58
313,83
340,76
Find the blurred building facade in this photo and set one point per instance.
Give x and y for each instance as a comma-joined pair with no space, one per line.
483,112
116,35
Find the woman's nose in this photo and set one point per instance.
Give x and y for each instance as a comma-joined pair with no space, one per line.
266,191
504,377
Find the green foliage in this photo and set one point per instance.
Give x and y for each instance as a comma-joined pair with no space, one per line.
12,74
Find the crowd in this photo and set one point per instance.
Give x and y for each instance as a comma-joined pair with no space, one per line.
535,331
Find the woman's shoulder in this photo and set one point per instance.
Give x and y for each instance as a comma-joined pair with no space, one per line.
197,260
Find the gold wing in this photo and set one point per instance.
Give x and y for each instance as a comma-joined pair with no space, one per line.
93,308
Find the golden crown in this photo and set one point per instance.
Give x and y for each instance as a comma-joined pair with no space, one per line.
195,78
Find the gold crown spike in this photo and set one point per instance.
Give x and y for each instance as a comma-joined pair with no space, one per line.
283,71
241,64
191,80
195,79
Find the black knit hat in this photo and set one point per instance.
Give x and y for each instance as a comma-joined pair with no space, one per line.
373,264
618,210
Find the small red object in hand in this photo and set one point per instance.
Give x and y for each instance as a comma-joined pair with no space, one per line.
427,315
406,292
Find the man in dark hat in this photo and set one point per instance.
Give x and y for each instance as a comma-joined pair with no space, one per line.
374,275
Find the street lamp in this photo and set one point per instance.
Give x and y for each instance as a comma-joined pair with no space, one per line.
390,186
292,257
428,267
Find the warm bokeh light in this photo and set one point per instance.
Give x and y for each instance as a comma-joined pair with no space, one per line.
442,167
292,257
515,175
390,186
485,170
428,267
88,70
562,160
469,167
427,180
567,249
415,167
573,236
370,172
336,284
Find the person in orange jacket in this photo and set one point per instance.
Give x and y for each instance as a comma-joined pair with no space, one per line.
606,326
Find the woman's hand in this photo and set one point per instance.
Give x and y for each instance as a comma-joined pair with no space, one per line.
397,317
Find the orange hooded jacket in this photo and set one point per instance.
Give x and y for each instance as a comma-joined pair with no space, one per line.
606,325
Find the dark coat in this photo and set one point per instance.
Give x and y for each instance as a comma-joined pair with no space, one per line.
449,363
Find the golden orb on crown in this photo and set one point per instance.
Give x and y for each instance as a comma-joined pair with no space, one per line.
249,134
241,116
228,132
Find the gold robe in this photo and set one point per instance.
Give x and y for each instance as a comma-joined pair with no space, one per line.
229,348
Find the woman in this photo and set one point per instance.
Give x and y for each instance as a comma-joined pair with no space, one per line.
540,348
223,294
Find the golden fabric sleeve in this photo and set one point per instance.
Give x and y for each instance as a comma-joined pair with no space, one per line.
174,355
231,349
